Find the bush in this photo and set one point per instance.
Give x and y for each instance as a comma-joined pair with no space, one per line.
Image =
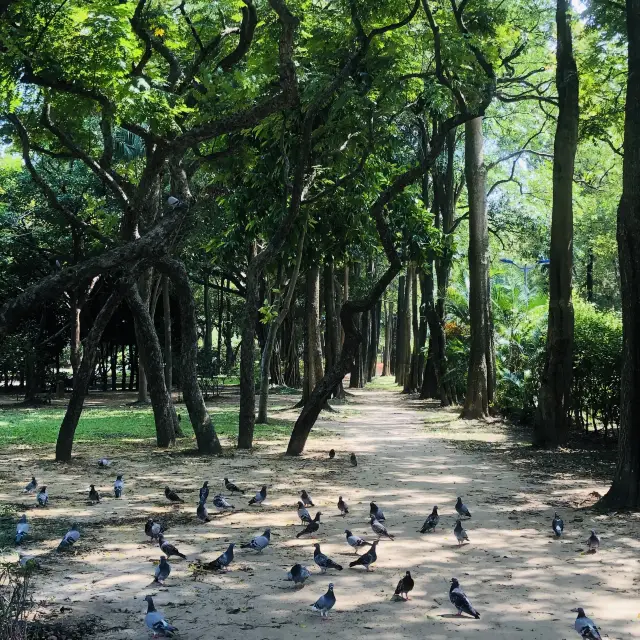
15,601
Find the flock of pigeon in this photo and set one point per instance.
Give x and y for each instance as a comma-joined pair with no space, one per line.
298,573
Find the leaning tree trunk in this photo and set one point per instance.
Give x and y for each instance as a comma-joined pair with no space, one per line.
151,357
82,377
625,489
476,404
554,397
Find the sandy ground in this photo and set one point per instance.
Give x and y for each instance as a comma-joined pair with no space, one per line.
523,582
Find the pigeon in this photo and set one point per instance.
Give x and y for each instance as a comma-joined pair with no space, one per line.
153,529
355,541
156,622
460,601
460,533
31,487
323,561
342,507
22,529
404,586
368,558
312,527
332,454
223,561
379,529
354,461
375,510
168,549
204,491
222,503
306,499
104,462
162,571
202,513
173,202
259,542
118,487
229,486
462,509
28,561
324,603
303,514
260,497
298,574
585,626
70,538
172,495
557,524
431,522
593,543
42,497
94,496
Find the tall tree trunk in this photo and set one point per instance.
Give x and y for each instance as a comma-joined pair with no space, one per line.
168,358
625,489
124,368
313,326
228,338
208,347
218,368
406,330
476,404
415,328
74,346
554,397
388,332
400,327
64,444
144,289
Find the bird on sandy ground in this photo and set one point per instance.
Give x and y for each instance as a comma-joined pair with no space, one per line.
104,462
171,495
229,486
201,512
259,542
168,549
31,487
222,561
118,487
204,491
156,622
312,527
342,507
460,601
376,511
70,538
332,454
153,529
356,541
298,574
593,543
42,497
222,503
366,559
260,497
303,513
460,533
585,626
323,561
353,460
94,496
162,571
22,529
431,522
557,524
306,499
405,585
324,603
462,508
379,529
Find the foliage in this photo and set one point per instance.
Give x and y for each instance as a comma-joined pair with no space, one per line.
15,601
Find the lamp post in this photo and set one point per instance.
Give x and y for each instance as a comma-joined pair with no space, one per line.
525,269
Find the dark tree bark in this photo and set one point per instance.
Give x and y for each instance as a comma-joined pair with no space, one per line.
228,338
406,331
124,368
208,347
218,368
400,327
476,404
64,444
412,384
313,326
554,397
388,333
625,489
168,357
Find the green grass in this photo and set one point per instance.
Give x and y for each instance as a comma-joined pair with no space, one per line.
40,426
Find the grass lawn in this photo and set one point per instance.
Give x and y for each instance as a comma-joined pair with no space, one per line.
40,426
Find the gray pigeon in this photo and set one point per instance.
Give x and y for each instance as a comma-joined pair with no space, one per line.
42,497
173,202
355,541
223,561
22,529
94,496
70,538
201,512
156,622
325,603
204,491
368,558
323,561
462,508
460,601
353,460
376,511
153,529
28,561
306,499
303,514
260,497
431,522
171,495
259,542
118,487
593,543
229,486
404,586
585,626
312,527
168,549
298,575
104,462
379,529
31,487
460,533
162,570
222,503
342,507
557,524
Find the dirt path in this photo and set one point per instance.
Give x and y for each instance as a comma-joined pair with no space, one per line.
523,583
